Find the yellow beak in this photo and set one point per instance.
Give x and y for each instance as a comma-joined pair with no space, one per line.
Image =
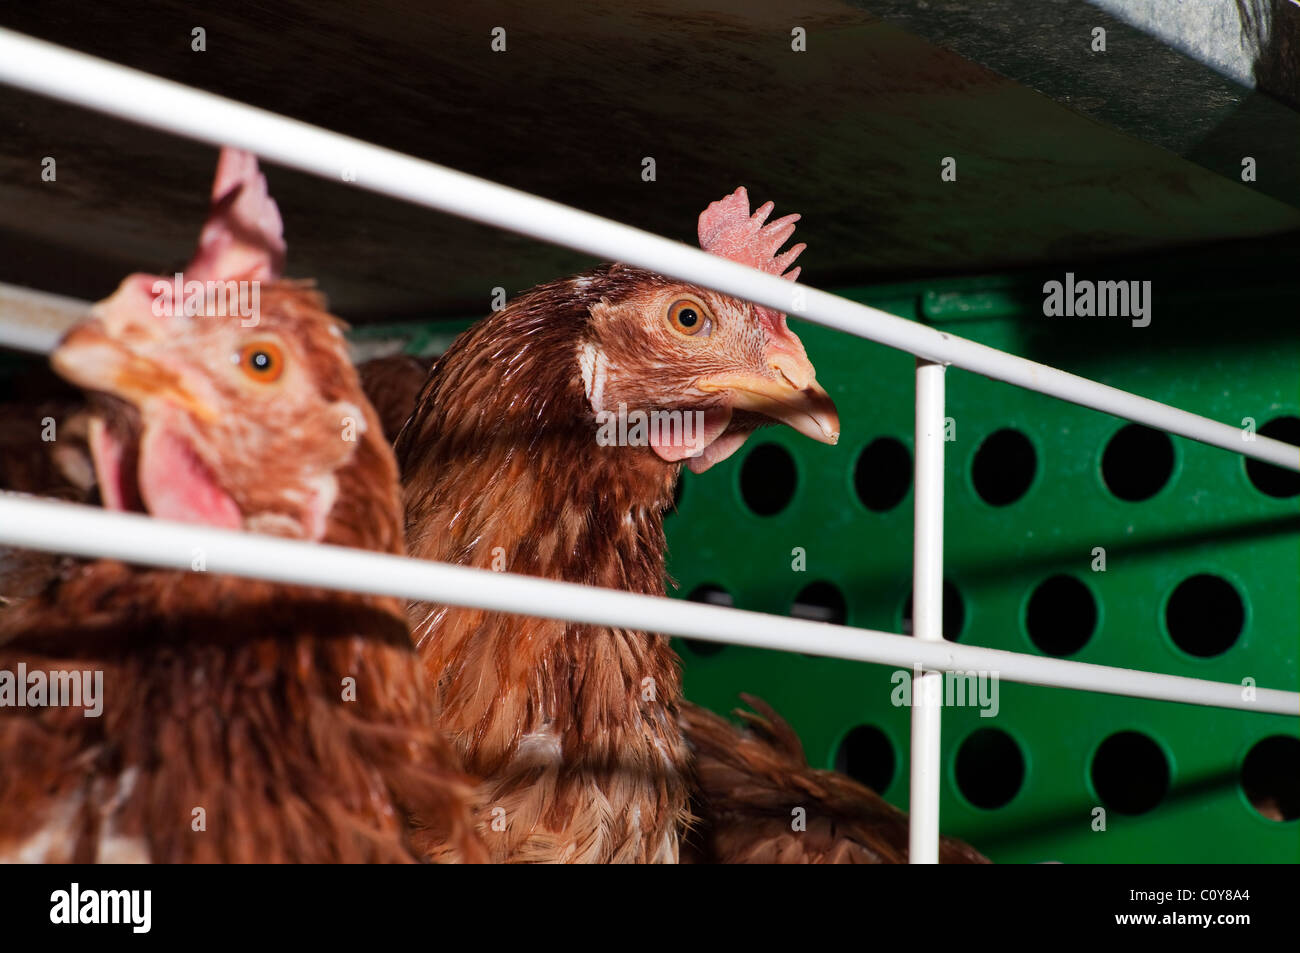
791,395
90,358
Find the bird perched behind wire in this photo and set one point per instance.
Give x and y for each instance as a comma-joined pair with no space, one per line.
586,746
751,781
547,441
239,720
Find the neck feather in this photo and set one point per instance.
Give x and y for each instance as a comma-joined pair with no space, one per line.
502,471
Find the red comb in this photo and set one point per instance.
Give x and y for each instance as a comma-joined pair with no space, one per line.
729,231
244,235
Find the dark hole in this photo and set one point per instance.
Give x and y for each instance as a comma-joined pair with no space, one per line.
1270,479
867,756
715,596
767,479
820,602
1137,462
1204,615
990,768
883,474
1130,773
1061,615
954,613
1270,777
1004,467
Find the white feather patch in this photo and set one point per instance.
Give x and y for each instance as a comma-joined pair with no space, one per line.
539,749
113,848
594,370
51,844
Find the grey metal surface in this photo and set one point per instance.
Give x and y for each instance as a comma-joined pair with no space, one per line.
1210,31
1175,73
850,133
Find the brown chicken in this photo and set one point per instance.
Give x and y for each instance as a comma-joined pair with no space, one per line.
237,720
511,461
587,748
751,783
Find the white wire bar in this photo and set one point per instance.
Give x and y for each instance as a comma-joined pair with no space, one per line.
139,97
58,527
927,611
35,320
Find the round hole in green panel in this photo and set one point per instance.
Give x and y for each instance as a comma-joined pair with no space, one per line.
715,596
1204,615
1130,773
883,474
767,479
820,602
867,755
954,613
1270,479
1061,615
1137,462
1003,467
990,768
1270,777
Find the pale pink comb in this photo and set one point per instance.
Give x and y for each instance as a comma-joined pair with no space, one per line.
728,230
244,234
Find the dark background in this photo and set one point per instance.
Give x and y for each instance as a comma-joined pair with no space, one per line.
1087,156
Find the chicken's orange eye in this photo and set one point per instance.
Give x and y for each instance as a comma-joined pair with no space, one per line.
262,361
690,317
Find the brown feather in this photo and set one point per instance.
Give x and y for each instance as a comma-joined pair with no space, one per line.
227,695
572,727
753,780
29,463
393,383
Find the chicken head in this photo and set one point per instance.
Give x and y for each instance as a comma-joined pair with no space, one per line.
229,398
712,367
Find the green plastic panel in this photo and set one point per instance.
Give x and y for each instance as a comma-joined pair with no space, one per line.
1225,355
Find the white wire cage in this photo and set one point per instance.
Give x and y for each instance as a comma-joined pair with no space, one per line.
96,84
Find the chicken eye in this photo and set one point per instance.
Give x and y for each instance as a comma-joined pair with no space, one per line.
690,317
262,361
